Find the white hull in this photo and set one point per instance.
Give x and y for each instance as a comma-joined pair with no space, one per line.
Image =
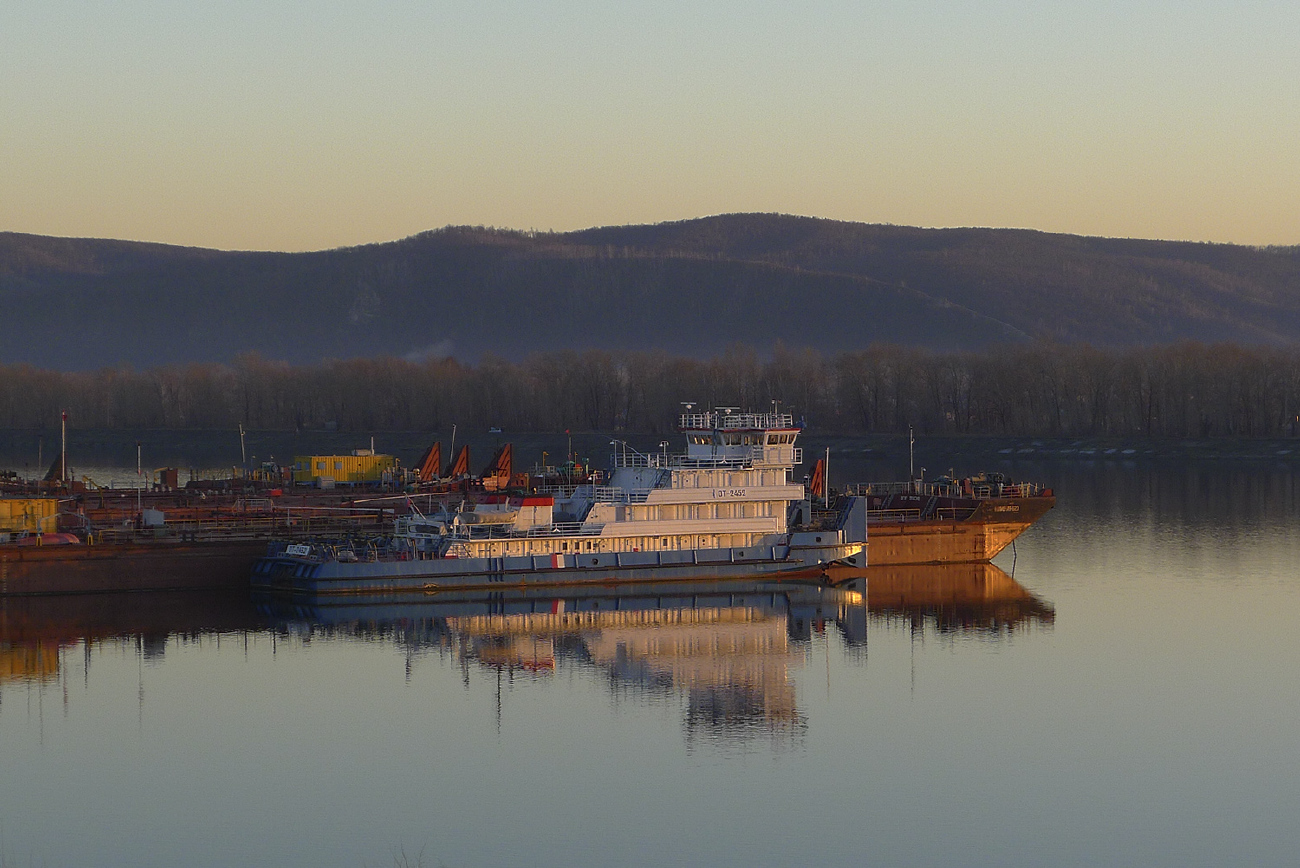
305,575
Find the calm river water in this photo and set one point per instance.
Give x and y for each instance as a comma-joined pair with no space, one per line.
1129,697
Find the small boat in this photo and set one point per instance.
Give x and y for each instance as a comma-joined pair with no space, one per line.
47,539
720,508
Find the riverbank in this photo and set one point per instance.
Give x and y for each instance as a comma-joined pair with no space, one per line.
220,450
1069,448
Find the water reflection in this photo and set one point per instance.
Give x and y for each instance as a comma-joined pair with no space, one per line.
727,651
29,662
1134,703
36,631
969,599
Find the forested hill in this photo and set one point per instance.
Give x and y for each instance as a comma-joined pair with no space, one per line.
691,287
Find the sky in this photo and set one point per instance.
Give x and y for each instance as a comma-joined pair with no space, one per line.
302,126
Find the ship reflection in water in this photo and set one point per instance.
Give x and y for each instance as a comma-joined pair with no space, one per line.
727,650
730,659
36,632
957,599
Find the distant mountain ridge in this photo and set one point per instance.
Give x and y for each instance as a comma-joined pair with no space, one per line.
690,287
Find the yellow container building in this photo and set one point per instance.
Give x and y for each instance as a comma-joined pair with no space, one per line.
32,514
361,466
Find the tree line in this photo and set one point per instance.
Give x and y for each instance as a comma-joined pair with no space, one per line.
1184,390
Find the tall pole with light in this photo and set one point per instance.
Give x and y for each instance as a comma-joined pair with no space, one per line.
453,445
911,467
826,478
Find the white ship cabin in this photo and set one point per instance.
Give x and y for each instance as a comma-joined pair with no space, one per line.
731,488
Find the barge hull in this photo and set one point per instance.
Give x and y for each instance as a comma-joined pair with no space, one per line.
84,569
292,575
978,539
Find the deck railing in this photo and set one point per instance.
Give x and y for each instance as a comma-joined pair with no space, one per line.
677,461
278,523
723,421
613,494
893,516
902,516
978,490
559,492
505,531
603,493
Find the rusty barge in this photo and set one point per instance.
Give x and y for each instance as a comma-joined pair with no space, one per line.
949,521
94,542
152,566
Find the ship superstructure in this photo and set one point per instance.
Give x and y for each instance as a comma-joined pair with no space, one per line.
731,488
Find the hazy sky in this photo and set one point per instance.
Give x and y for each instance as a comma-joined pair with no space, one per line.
293,125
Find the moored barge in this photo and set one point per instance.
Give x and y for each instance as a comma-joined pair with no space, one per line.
113,547
951,521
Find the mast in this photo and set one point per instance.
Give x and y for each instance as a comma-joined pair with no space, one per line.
911,467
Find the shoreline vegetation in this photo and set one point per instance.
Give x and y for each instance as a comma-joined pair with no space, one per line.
216,451
1186,392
